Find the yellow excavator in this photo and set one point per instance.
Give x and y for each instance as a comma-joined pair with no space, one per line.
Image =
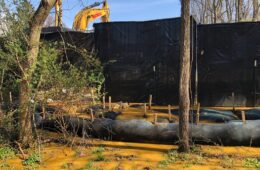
85,16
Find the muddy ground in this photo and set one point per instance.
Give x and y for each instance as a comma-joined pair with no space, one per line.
114,155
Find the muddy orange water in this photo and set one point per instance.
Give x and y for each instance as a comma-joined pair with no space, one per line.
109,155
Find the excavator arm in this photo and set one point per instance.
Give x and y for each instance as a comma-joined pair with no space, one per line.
90,14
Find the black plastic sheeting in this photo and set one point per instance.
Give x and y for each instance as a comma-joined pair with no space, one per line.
225,58
209,115
253,114
228,58
140,58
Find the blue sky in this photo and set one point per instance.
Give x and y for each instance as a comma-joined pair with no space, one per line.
124,10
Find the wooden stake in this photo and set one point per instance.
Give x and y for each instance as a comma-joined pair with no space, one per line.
169,112
104,102
121,105
109,103
92,115
155,118
10,97
243,117
92,96
43,111
145,110
150,101
197,121
233,101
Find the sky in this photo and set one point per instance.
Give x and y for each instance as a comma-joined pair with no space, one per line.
123,10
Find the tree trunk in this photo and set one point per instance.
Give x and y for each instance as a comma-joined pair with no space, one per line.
1,93
184,97
229,10
25,119
239,7
255,10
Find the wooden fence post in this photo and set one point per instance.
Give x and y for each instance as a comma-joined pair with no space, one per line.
155,118
145,110
150,101
104,102
92,115
243,117
169,112
109,103
197,121
43,111
11,98
92,96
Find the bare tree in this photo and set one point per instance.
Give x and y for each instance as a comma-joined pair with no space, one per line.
184,96
247,8
25,117
220,11
199,10
210,11
230,8
239,10
217,7
255,10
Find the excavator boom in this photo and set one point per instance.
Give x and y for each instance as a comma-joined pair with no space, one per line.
85,16
90,14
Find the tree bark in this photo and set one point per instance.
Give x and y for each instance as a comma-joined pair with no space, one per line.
1,93
229,10
239,7
255,10
184,97
25,119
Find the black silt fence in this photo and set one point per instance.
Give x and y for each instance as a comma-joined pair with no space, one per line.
141,58
228,64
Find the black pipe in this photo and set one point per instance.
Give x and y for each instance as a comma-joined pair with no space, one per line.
234,133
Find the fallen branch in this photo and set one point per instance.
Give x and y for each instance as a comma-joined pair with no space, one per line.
20,149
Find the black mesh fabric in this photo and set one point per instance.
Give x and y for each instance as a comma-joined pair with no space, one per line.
226,63
140,58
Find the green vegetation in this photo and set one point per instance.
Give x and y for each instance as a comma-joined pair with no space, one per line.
252,163
90,166
164,163
66,166
99,154
186,159
8,129
62,72
13,43
227,162
99,149
60,65
5,166
32,162
100,157
6,153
